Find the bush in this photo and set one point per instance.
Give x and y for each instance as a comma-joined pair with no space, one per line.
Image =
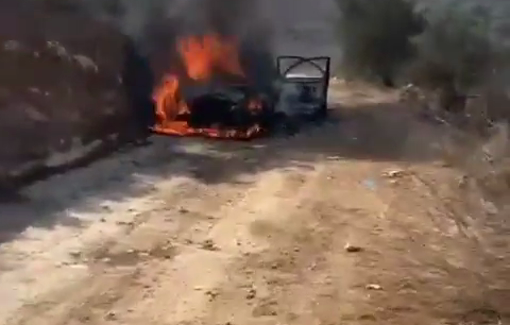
447,47
375,36
457,64
454,52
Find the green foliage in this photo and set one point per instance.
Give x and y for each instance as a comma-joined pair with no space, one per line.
375,35
455,48
447,47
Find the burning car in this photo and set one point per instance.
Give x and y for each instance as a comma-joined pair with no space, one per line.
215,97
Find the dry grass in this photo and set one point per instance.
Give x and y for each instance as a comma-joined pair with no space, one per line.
475,141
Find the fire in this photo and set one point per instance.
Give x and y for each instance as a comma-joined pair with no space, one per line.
202,57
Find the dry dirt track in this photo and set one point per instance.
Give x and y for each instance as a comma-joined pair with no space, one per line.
188,231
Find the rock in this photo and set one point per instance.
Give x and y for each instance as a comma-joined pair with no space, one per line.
75,254
313,266
208,244
106,207
394,173
367,317
463,181
393,181
125,223
352,248
489,207
111,315
86,63
252,293
58,49
213,293
373,286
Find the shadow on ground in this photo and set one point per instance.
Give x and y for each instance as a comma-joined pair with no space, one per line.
375,132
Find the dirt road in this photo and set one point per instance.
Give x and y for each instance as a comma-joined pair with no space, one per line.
352,222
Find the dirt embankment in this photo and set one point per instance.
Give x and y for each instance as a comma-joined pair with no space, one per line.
61,94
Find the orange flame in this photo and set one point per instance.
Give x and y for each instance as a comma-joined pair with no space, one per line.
202,57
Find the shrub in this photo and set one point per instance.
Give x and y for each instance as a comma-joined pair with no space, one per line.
454,51
375,36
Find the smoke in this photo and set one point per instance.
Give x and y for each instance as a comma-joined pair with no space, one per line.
155,25
141,19
131,17
136,15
